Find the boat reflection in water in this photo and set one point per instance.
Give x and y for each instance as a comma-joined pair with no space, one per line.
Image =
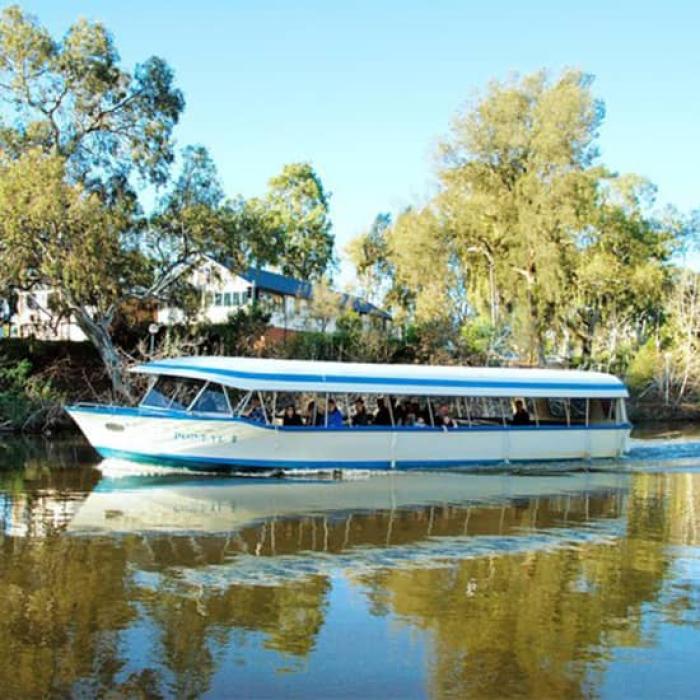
449,585
376,521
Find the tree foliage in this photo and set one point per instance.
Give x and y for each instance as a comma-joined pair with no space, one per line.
71,98
80,135
298,210
529,236
78,126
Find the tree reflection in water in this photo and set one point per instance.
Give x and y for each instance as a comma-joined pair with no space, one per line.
85,615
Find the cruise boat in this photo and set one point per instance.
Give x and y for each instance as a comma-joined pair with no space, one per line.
228,413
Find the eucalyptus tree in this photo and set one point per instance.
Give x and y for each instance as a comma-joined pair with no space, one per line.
79,132
370,254
71,98
519,182
298,221
623,273
80,135
528,235
192,217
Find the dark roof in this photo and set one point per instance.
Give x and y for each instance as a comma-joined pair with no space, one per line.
362,307
288,286
275,282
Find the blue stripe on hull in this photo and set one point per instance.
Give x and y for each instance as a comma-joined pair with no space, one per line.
224,464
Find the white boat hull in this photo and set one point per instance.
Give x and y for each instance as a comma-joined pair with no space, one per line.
231,443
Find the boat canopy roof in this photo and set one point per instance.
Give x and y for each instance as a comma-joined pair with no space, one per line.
415,380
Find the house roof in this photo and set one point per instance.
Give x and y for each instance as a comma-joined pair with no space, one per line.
361,306
275,282
289,286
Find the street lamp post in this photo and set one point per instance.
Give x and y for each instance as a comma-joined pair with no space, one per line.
153,329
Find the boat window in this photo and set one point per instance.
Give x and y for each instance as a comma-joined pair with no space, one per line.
211,400
532,412
577,410
601,411
563,411
556,412
520,412
172,392
445,411
486,410
236,398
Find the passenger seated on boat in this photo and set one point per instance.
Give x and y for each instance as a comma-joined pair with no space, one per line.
406,413
381,415
422,414
360,417
256,412
521,416
312,416
443,418
291,417
335,417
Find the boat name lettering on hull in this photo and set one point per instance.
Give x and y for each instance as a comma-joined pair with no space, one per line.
204,437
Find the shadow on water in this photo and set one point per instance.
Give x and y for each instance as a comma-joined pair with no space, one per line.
445,585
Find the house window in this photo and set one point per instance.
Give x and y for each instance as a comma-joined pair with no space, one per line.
227,299
236,298
208,299
218,299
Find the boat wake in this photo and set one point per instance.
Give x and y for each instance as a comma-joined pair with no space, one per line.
663,455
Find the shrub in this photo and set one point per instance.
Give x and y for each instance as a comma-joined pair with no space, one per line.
26,401
644,368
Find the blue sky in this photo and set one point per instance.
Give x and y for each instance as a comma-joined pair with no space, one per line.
365,89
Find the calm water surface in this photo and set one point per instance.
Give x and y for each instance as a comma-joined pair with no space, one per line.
528,583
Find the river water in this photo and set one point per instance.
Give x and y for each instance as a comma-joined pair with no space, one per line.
569,581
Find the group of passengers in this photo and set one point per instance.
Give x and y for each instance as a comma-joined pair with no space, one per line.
404,413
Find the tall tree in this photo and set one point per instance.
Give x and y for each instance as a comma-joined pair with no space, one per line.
191,217
519,183
71,98
622,270
57,234
78,127
528,236
369,252
298,207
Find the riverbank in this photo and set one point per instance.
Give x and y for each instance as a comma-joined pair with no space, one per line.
37,379
655,412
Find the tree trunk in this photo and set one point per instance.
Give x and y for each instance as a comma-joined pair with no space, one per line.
537,353
98,334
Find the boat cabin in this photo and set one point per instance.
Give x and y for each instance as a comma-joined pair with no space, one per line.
362,396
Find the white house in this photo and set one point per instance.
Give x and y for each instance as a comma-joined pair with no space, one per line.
289,301
34,317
